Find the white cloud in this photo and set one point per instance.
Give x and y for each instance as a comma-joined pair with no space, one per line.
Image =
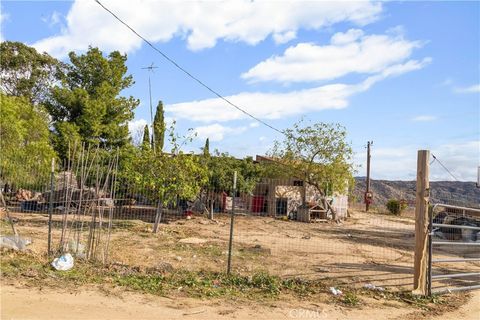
135,127
281,38
216,132
470,89
400,163
424,118
281,105
349,52
202,24
3,17
53,19
254,124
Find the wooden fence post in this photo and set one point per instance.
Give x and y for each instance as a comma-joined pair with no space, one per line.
421,223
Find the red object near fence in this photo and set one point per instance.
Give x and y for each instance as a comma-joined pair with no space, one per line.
257,203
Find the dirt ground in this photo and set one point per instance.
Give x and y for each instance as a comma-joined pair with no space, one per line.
367,248
21,303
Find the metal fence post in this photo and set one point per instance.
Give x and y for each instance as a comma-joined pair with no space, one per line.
232,218
50,207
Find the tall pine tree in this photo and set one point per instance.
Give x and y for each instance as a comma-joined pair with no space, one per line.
146,137
159,128
88,104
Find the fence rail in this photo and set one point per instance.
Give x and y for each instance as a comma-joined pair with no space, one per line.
451,230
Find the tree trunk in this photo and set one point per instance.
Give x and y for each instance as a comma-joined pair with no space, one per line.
158,216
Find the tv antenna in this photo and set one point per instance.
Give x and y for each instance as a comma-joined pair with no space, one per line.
150,69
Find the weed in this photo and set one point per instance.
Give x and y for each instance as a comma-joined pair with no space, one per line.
350,299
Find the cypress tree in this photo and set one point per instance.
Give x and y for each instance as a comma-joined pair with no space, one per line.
159,128
146,137
206,149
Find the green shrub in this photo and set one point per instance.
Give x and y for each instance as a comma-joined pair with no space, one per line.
396,206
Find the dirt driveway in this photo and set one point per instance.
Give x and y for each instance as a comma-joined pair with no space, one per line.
21,303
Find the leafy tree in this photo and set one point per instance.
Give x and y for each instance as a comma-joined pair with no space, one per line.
27,73
146,137
166,177
206,148
88,104
221,168
159,128
25,147
317,154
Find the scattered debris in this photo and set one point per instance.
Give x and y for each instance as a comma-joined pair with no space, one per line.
335,291
192,240
371,286
23,194
64,263
107,202
14,242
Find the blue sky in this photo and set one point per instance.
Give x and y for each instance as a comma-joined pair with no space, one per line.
403,74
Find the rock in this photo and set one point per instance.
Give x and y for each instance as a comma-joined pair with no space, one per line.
178,258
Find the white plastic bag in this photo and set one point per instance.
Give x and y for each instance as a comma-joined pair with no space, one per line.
373,287
335,291
64,263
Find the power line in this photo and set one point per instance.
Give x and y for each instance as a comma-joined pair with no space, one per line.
446,169
188,73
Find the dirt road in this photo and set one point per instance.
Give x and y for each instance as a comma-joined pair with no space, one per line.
21,303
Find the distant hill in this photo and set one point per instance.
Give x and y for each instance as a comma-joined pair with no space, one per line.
451,192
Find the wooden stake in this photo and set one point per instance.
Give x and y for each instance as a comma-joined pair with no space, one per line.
421,224
50,207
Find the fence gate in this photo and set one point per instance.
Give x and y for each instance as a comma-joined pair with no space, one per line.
453,249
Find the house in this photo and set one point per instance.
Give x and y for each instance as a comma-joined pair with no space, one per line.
283,197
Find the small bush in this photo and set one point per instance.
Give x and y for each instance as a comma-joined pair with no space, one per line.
350,299
396,206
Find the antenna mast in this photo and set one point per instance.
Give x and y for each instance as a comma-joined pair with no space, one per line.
150,70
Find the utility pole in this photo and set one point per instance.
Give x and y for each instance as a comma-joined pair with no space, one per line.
368,194
150,69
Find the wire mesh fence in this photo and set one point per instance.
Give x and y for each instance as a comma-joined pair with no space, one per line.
281,226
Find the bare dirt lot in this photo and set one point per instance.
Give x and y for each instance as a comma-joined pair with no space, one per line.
367,248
